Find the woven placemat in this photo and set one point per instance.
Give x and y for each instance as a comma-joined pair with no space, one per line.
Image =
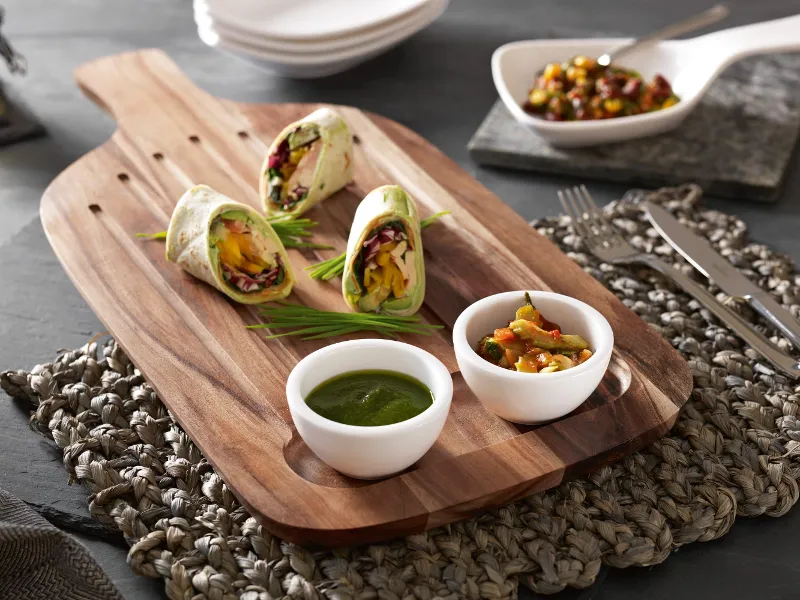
733,451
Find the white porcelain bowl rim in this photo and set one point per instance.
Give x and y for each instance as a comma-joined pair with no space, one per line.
226,11
211,37
460,334
595,124
297,402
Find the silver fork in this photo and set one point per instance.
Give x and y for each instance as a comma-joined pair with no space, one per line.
608,245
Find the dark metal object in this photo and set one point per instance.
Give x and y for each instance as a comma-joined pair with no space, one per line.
16,123
15,61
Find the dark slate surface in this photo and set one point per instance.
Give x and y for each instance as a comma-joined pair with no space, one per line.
16,122
737,143
439,84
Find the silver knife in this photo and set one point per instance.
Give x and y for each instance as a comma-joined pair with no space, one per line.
717,268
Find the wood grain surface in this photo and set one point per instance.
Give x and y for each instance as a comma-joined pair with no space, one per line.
225,384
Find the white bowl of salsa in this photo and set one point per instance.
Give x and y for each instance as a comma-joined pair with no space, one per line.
368,451
532,397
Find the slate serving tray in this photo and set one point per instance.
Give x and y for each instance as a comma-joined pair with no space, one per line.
737,143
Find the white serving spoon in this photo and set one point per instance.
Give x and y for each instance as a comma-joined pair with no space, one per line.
689,65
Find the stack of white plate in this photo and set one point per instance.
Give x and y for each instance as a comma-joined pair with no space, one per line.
311,38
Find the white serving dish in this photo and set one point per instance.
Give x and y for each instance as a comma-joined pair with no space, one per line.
689,65
318,64
356,39
308,19
531,397
369,452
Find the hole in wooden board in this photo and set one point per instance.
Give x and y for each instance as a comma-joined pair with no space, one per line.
615,383
95,208
123,177
194,139
158,156
243,135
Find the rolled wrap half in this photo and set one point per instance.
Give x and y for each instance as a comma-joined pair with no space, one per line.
310,160
229,246
384,270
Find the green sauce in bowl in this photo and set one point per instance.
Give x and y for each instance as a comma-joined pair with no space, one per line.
370,398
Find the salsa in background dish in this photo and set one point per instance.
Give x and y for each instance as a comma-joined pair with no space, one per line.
532,344
582,90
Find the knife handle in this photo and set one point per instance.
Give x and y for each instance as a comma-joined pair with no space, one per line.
737,324
777,315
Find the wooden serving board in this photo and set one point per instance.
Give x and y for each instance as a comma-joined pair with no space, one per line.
225,384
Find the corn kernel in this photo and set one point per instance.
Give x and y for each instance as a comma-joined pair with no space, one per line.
574,72
671,101
580,81
584,62
552,71
538,97
613,105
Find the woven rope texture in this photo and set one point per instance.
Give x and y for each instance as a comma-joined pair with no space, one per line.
733,452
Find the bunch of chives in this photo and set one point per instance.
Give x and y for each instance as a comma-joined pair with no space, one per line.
315,324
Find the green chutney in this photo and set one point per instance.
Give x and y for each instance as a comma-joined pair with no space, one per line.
370,398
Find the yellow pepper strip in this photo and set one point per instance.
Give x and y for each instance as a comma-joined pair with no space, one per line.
383,258
296,155
367,273
398,287
229,252
249,267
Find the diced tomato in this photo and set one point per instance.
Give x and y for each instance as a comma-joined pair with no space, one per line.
556,334
504,335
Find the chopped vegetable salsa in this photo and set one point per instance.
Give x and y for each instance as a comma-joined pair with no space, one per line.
370,398
248,260
292,165
582,90
532,344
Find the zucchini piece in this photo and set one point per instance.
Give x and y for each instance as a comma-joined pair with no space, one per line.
540,338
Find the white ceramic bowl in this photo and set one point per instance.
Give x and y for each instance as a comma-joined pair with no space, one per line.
309,65
369,452
531,397
302,20
312,46
690,66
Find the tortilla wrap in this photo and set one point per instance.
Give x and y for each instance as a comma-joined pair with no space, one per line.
384,208
194,244
324,147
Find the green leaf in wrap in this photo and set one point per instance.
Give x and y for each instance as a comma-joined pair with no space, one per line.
383,206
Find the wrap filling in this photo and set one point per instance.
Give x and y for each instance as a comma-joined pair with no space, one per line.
292,165
248,260
385,265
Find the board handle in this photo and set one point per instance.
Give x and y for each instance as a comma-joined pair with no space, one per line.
124,85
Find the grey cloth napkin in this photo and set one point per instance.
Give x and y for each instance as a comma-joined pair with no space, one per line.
38,561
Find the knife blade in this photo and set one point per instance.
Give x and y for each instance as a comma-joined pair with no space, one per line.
717,268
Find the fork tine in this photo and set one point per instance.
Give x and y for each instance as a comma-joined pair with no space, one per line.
571,208
598,219
592,208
